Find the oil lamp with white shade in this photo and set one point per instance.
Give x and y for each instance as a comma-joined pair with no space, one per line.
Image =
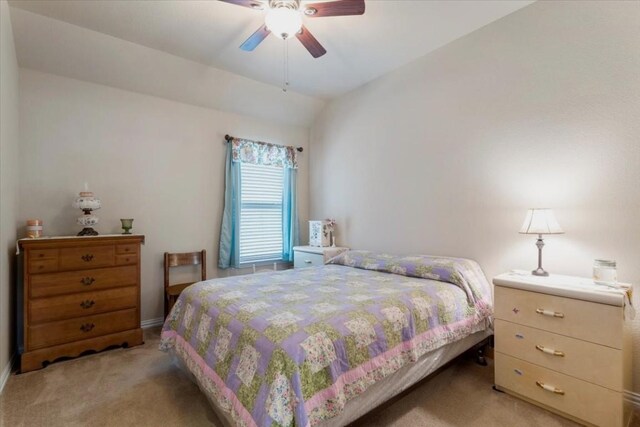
87,202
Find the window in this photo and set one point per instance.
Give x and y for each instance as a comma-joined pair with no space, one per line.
260,213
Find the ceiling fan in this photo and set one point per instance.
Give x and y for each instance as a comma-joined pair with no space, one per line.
284,19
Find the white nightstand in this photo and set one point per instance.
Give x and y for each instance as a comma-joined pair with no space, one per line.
562,343
307,256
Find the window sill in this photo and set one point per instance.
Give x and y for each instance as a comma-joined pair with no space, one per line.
263,263
262,266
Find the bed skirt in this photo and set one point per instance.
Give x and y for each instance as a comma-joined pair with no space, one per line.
379,392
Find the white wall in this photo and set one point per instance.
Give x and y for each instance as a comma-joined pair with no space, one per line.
8,184
60,48
157,161
444,155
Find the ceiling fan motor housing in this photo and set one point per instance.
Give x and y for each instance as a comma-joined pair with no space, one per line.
289,4
283,18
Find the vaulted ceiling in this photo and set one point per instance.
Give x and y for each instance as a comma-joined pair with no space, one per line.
360,48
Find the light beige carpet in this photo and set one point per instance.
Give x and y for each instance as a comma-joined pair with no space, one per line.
140,387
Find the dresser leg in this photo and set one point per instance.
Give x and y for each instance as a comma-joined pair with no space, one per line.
38,359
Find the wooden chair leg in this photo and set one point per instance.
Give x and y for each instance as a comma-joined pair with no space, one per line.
170,303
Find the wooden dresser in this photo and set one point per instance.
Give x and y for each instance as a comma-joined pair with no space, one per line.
77,294
562,343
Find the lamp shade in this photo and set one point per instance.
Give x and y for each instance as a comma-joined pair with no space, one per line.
283,22
540,221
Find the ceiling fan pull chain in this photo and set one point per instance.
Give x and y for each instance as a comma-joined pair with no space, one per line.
287,47
285,53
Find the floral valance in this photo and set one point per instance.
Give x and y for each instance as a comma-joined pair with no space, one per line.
263,153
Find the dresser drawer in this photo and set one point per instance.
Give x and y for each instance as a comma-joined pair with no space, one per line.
583,400
87,257
82,304
127,249
36,254
123,259
305,259
37,266
64,331
581,359
589,321
44,285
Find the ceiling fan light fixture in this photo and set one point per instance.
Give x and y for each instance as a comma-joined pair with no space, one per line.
283,22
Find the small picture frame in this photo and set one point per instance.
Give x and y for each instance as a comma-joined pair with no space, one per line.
319,233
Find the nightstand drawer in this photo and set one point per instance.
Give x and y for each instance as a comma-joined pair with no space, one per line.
581,359
583,400
305,259
593,322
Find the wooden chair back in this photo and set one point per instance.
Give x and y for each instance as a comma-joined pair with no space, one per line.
177,260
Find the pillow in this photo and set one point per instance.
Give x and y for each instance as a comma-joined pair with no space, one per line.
464,273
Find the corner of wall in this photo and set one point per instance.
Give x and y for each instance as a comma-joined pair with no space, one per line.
9,158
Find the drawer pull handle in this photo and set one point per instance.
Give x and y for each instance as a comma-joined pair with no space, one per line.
307,261
550,388
87,257
87,281
87,327
550,351
87,303
550,313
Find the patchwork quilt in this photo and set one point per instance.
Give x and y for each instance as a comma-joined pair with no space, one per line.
293,347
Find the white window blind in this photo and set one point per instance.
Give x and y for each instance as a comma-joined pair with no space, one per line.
260,213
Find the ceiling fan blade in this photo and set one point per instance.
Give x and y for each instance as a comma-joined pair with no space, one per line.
334,8
253,4
255,39
313,46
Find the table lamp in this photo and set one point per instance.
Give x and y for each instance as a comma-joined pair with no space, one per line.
540,221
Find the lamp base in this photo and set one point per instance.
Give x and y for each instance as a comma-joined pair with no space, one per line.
88,231
539,272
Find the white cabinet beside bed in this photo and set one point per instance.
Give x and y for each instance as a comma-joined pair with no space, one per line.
562,343
308,256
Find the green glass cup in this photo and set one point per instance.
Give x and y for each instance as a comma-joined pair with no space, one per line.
127,225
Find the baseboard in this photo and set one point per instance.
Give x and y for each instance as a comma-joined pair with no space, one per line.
4,376
633,398
150,323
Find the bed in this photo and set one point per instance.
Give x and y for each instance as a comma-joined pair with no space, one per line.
324,345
